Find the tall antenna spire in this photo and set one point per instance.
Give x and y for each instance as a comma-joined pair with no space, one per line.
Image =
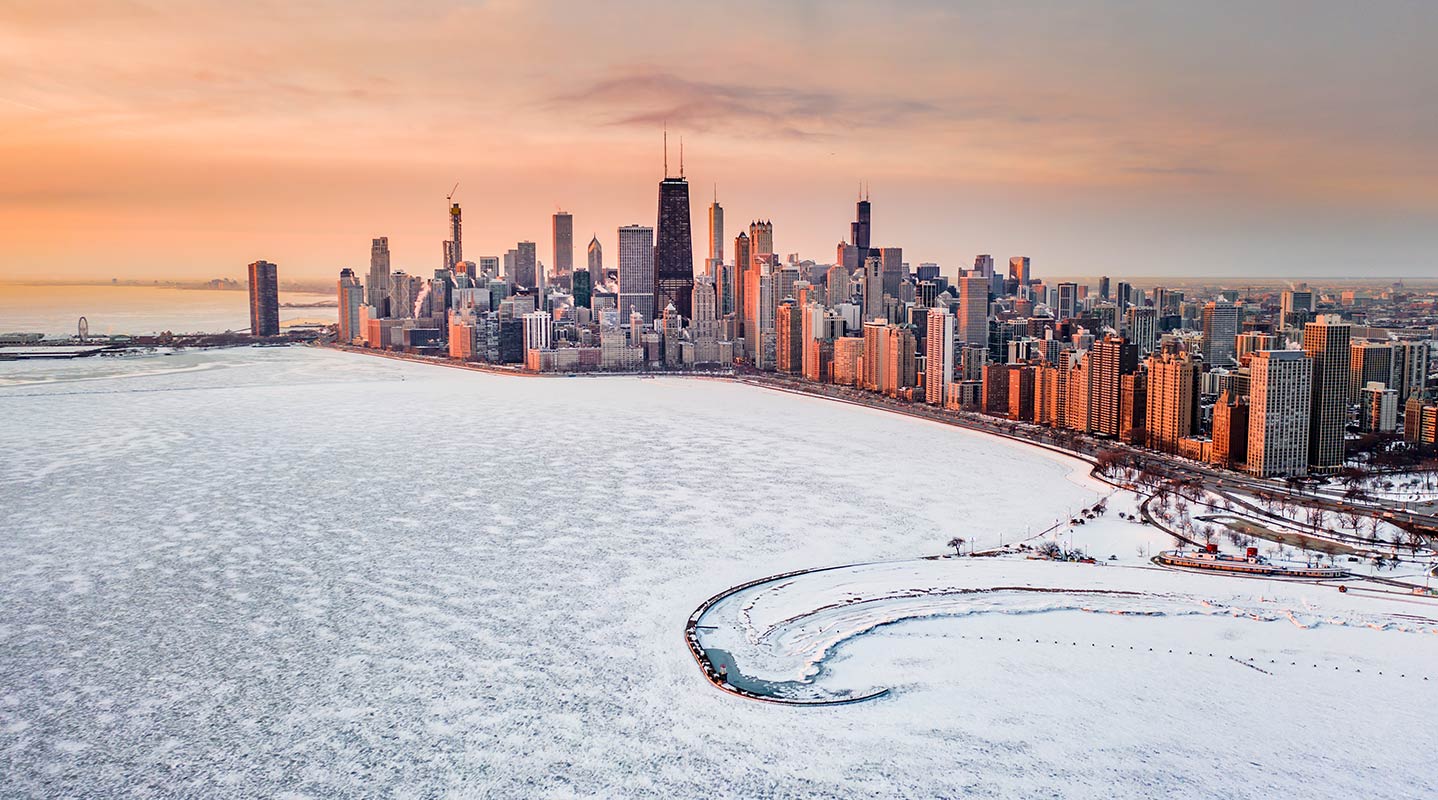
681,155
666,149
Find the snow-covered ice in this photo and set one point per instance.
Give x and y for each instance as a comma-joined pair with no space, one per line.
258,572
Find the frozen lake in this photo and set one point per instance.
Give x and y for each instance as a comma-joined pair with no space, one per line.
261,572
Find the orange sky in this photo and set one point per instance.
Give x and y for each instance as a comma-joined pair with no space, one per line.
149,139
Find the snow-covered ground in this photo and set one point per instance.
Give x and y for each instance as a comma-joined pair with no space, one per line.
262,572
784,630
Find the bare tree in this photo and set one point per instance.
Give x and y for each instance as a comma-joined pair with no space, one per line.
958,543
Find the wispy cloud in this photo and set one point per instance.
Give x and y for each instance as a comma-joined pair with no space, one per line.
1190,170
646,97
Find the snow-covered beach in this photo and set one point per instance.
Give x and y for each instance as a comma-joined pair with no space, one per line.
271,572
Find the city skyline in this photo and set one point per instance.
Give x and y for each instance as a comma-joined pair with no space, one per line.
1103,153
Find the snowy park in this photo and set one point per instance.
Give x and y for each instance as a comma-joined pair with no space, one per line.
306,573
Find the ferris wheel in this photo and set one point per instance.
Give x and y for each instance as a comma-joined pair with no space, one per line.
84,329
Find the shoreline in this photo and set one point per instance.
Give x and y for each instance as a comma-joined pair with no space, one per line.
750,380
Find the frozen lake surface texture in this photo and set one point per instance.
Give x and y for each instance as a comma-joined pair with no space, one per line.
294,572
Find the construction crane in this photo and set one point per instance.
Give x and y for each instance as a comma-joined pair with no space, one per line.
450,197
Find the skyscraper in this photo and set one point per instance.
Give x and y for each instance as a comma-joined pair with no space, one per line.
761,241
563,248
1019,270
1124,296
526,272
264,299
789,346
674,247
859,229
742,263
1369,362
377,290
704,324
984,265
1141,328
351,297
1068,301
938,355
1220,334
456,237
1279,411
596,261
1172,400
873,287
716,231
1108,361
636,271
973,324
1326,341
892,259
582,288
1295,302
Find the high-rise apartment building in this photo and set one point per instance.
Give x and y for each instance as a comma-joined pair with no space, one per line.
1108,361
1326,342
1378,408
901,351
636,271
742,264
351,297
1220,332
1279,411
1369,362
1230,431
789,347
1172,401
1410,372
938,356
264,299
377,289
1250,342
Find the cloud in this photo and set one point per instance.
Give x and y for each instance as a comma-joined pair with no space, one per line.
647,98
1192,170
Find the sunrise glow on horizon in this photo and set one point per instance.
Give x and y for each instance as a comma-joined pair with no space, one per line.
143,140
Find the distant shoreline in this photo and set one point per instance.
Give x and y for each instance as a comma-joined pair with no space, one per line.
199,286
